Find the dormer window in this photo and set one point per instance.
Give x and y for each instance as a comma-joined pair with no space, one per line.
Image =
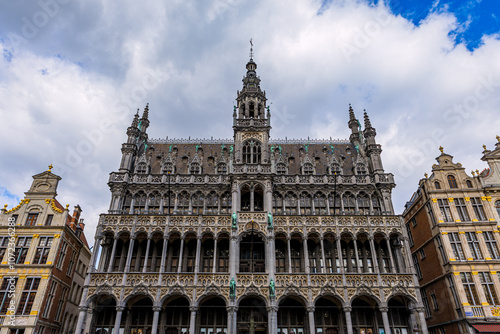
280,169
195,168
308,169
361,169
468,183
452,181
335,168
252,152
437,185
222,168
168,168
142,168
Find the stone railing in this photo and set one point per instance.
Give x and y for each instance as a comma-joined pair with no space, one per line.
334,179
172,179
257,279
249,220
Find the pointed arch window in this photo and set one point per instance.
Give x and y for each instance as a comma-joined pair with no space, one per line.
308,169
280,169
452,181
437,185
221,168
252,151
142,168
468,183
194,168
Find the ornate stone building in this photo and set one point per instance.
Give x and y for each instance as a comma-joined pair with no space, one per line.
453,226
44,256
251,235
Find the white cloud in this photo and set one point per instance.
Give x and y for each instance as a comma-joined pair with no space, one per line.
99,60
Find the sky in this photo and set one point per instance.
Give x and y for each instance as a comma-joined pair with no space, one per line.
73,73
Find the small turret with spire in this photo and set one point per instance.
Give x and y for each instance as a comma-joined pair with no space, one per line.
373,150
355,127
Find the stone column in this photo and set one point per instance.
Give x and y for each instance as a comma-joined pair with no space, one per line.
164,254
231,319
389,250
97,243
81,319
252,197
198,252
385,319
118,319
356,255
339,252
306,256
156,317
233,254
272,319
374,255
181,254
214,270
145,268
423,324
132,202
192,321
129,253
289,254
348,321
323,259
112,258
312,326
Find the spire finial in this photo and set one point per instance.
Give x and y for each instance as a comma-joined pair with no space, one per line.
484,147
50,168
498,138
251,49
368,124
441,149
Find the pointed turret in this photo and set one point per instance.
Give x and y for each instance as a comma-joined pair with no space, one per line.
355,127
372,149
145,119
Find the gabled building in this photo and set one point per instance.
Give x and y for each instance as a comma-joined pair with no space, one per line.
453,227
251,234
44,256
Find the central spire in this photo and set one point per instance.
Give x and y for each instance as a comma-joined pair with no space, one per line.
251,50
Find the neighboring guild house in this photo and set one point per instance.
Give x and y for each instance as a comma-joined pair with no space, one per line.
453,225
48,263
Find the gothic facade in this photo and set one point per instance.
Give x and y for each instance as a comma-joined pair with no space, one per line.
251,235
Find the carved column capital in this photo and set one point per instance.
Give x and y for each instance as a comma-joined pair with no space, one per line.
347,309
156,308
272,309
120,308
193,308
310,309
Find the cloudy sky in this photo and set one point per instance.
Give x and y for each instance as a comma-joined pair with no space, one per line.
73,73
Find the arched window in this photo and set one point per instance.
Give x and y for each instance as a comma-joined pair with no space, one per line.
349,203
251,110
194,168
280,169
252,152
437,185
363,203
222,168
361,169
142,168
308,169
452,181
468,183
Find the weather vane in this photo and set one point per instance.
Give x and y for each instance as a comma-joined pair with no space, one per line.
251,49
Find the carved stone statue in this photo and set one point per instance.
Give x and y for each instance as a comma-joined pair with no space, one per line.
269,220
